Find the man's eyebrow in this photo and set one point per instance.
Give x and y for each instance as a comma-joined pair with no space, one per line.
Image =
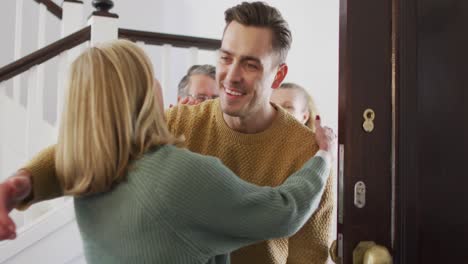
243,58
224,51
251,58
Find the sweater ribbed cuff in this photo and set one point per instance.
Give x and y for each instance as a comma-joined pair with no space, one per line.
326,156
43,180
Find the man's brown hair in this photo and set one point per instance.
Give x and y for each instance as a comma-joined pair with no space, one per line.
260,14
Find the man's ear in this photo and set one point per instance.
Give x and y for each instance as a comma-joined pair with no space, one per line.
280,75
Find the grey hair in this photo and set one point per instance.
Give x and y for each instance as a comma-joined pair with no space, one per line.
205,69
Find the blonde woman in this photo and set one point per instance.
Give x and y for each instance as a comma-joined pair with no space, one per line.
141,199
297,101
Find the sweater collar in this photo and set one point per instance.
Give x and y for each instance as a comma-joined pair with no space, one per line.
272,133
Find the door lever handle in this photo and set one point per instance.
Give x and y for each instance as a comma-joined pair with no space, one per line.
334,252
368,252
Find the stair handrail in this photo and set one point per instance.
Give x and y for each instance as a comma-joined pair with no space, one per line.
55,9
181,41
44,54
151,38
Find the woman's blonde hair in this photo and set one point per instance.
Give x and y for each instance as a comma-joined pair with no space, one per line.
111,117
310,103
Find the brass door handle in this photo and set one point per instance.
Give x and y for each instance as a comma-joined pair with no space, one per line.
368,252
334,252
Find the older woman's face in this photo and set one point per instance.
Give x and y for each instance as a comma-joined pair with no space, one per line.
293,102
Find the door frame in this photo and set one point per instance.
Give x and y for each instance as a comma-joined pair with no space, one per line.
407,159
365,81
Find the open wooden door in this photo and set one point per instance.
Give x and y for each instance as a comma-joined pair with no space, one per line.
404,184
365,103
432,132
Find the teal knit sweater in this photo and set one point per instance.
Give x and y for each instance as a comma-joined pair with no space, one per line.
180,207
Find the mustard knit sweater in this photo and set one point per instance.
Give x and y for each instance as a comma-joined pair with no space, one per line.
277,152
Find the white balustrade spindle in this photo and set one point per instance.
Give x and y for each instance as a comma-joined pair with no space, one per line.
18,45
35,110
72,21
33,128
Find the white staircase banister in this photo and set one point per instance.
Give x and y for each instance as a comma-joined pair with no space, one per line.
72,21
18,45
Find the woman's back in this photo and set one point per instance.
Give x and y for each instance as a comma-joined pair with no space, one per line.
130,223
177,206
